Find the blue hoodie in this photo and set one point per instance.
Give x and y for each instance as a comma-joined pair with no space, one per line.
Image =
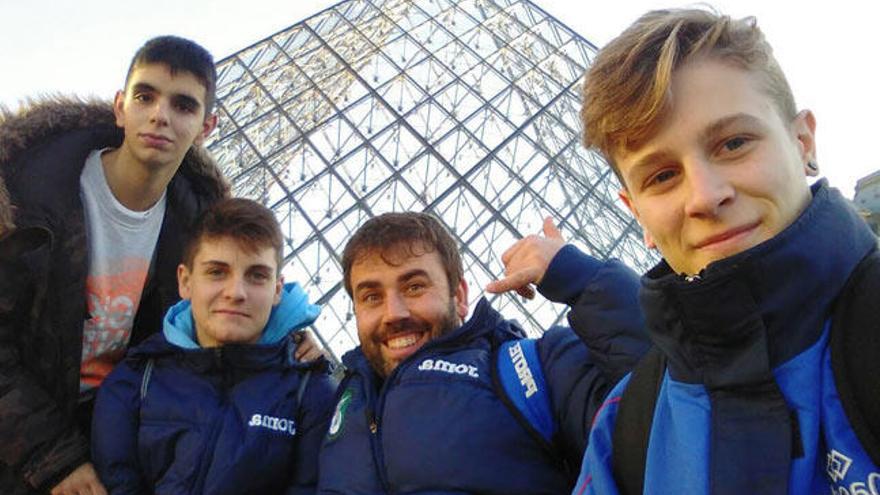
292,313
179,419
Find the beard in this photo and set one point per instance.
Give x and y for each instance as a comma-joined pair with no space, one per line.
373,349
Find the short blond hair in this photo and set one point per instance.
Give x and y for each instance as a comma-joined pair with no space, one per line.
627,90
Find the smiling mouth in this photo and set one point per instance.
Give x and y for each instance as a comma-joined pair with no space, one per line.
726,236
402,341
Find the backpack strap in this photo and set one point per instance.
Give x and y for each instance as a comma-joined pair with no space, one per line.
632,426
855,352
301,389
145,378
519,381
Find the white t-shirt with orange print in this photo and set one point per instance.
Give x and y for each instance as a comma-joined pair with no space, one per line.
121,244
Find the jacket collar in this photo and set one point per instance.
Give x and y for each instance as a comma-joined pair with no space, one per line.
293,312
749,313
275,347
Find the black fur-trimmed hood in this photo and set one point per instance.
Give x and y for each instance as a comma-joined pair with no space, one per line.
38,121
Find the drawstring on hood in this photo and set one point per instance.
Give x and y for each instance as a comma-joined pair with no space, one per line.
292,313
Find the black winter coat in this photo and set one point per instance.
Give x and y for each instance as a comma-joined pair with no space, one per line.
42,302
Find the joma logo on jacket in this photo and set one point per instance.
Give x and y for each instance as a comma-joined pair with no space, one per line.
447,367
522,369
273,423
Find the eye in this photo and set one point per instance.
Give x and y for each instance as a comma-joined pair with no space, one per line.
661,178
734,144
214,272
370,298
664,176
259,277
415,288
143,97
185,106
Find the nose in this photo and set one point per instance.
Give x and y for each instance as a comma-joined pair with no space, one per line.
709,189
160,111
395,308
233,289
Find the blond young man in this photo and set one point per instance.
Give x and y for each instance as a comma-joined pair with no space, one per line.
763,275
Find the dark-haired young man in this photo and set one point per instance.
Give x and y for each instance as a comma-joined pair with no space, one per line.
216,403
112,191
432,403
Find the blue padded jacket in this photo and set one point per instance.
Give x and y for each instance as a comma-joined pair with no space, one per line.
440,423
748,403
175,418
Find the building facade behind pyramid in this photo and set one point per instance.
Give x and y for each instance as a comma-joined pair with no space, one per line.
464,109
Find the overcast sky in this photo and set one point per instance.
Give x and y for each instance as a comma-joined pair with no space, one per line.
829,50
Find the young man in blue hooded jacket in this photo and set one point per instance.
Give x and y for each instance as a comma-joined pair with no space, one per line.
696,118
216,403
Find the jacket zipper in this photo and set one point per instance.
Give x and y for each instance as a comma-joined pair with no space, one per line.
373,417
207,456
374,423
376,441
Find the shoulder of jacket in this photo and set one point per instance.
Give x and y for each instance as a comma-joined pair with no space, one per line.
40,119
36,123
200,175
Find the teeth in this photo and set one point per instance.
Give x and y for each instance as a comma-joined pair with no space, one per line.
402,341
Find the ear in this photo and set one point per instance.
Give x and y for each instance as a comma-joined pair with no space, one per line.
279,287
183,281
119,109
461,299
208,127
623,194
803,128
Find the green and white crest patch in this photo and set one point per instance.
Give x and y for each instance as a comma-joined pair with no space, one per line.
338,421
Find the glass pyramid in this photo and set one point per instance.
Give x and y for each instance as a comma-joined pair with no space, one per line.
465,109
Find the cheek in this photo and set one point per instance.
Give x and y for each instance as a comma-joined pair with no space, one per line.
204,295
189,130
367,326
363,329
200,305
659,220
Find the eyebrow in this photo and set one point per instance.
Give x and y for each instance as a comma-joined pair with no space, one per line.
214,263
142,87
223,264
371,284
719,125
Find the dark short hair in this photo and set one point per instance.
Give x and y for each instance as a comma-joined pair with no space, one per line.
249,223
180,54
407,234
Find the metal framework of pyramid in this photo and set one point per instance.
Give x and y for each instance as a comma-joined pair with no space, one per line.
464,109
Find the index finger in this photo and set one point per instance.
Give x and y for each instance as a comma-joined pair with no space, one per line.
551,231
513,281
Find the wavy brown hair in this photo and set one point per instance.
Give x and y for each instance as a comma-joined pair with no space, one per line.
399,236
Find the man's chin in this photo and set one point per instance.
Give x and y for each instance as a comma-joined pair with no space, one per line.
389,363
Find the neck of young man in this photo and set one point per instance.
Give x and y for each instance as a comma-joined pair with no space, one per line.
137,185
